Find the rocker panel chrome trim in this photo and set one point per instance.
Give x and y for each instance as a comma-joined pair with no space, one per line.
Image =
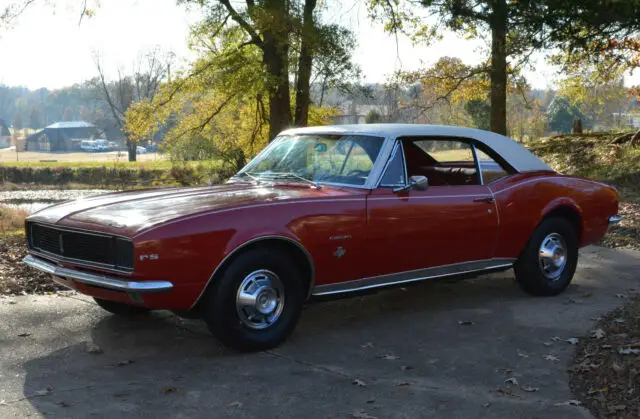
412,276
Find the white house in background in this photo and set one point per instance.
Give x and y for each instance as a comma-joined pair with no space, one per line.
631,120
356,114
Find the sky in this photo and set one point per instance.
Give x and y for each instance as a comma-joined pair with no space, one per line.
47,47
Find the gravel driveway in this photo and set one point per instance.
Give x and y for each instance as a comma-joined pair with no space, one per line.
472,349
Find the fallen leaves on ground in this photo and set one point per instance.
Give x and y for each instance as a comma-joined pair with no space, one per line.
358,382
361,415
92,348
16,278
605,374
627,232
43,392
569,403
506,392
122,363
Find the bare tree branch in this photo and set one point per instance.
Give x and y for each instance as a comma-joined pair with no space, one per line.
209,118
255,38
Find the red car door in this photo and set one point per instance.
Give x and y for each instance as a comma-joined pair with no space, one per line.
453,221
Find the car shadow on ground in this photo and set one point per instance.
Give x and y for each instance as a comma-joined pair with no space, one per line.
160,361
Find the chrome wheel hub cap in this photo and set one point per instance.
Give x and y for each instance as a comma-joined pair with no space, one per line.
260,299
553,256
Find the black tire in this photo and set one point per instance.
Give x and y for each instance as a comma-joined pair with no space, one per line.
529,273
121,309
218,308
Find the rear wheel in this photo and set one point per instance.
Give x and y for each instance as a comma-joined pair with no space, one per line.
255,304
121,309
549,260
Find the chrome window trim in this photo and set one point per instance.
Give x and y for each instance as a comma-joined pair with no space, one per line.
377,171
478,168
254,240
104,281
396,148
413,276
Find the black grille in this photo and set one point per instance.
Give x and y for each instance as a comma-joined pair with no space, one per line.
91,248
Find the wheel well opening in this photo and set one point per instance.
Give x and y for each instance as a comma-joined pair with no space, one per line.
570,215
298,256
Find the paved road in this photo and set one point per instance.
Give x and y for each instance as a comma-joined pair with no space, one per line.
397,354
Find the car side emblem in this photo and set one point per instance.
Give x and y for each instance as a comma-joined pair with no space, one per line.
339,252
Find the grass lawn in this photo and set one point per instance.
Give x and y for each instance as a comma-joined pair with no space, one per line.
39,159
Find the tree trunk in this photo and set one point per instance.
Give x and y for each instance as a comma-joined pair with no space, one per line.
131,149
577,127
498,22
303,99
275,55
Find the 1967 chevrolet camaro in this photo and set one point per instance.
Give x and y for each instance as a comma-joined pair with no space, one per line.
325,211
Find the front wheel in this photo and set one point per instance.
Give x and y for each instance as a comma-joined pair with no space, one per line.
255,304
549,260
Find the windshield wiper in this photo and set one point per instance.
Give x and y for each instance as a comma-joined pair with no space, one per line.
250,176
292,175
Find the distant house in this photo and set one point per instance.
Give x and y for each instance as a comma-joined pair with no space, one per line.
350,113
62,136
627,120
5,135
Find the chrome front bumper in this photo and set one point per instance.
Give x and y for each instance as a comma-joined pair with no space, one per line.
615,219
98,280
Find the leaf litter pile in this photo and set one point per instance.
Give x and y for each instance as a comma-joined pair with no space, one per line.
605,373
16,278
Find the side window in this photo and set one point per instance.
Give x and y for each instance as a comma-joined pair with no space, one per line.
447,151
394,174
444,162
491,170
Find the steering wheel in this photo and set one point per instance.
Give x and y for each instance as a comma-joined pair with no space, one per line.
358,172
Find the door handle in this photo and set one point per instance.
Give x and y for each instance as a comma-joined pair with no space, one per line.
487,199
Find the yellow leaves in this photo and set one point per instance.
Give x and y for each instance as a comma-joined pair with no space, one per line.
452,80
323,115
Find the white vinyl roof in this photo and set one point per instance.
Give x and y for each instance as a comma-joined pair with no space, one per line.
514,153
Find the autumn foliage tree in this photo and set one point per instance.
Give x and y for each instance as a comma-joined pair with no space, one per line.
590,30
217,109
287,36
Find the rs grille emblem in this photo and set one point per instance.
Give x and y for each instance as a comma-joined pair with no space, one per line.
61,243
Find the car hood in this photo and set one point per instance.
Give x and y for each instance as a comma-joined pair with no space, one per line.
127,213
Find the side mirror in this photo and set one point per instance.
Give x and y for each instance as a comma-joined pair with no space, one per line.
420,183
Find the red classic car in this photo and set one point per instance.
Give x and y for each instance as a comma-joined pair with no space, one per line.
325,211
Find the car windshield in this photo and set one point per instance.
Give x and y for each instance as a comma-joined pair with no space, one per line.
342,159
